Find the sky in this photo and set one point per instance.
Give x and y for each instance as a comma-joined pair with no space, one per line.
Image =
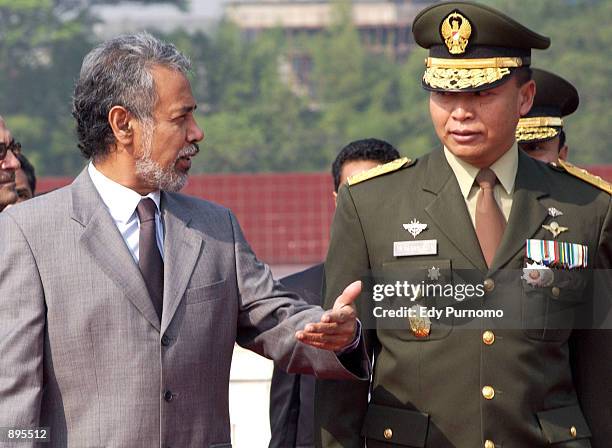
212,8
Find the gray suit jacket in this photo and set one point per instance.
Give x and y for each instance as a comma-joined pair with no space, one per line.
81,347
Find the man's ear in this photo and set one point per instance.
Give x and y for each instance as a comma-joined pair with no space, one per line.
335,198
120,121
526,95
563,152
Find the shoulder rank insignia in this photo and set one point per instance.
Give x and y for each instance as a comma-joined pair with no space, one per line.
379,170
586,176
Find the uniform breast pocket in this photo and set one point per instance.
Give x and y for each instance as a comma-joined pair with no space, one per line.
206,293
409,293
550,313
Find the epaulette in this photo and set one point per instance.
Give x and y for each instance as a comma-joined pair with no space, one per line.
584,175
379,170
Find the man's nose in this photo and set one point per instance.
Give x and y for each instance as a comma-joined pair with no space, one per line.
10,162
195,133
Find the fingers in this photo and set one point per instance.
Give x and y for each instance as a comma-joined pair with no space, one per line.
333,342
349,295
333,328
339,315
332,336
337,327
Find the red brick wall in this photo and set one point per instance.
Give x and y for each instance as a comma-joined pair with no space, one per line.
285,217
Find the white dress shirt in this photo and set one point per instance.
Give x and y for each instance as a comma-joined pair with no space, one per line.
121,202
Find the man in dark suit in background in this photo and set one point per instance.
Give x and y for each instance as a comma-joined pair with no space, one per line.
8,166
25,180
292,395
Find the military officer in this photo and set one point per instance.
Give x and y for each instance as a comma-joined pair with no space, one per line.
540,133
476,208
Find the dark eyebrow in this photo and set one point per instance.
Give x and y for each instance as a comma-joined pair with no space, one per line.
186,109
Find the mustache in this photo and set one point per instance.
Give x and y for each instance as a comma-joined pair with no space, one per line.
8,176
189,151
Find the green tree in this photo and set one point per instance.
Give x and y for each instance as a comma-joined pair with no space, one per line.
40,55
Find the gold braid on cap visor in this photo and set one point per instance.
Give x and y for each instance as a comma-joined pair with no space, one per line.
538,128
457,74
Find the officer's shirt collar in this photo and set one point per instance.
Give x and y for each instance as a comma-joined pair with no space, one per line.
120,201
505,169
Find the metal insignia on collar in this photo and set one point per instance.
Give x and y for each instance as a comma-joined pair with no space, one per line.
555,228
414,227
456,30
554,212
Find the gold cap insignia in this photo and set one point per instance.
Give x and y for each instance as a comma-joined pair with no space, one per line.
456,30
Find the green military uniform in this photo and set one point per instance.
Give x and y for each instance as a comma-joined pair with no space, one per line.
448,386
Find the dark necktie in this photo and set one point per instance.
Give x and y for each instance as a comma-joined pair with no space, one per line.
490,221
150,260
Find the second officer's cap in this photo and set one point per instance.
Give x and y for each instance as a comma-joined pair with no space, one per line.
555,98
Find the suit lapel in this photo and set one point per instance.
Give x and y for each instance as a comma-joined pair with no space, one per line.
527,214
182,246
102,240
448,210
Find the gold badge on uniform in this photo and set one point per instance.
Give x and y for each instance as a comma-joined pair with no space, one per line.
420,324
555,228
456,30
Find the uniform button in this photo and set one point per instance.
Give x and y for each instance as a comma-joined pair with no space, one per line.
165,340
489,284
388,433
488,337
489,444
168,396
488,392
556,291
573,432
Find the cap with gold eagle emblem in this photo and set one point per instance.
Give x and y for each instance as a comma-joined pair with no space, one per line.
555,98
472,47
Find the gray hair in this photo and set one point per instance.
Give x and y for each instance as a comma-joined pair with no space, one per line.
118,73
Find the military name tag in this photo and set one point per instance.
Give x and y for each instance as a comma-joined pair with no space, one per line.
413,248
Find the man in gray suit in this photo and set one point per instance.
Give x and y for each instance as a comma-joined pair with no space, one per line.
121,300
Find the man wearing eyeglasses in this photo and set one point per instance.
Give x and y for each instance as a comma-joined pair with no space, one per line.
8,166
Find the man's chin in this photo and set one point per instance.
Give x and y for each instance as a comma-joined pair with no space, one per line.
469,153
175,183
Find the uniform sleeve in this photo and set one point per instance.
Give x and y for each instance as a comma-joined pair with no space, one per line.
270,315
340,406
22,322
592,349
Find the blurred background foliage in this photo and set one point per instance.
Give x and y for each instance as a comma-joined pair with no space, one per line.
253,121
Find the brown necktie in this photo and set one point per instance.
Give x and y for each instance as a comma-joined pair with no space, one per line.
150,260
490,221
